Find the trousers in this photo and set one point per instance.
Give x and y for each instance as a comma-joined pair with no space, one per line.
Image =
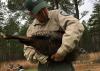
56,66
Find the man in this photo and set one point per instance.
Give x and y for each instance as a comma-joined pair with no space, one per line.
53,20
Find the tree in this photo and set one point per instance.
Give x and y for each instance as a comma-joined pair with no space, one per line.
11,24
77,4
12,27
11,49
94,21
2,13
71,7
76,8
23,30
15,5
94,24
67,6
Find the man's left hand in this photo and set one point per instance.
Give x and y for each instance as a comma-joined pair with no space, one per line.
57,57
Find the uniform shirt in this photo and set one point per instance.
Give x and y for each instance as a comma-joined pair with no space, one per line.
59,22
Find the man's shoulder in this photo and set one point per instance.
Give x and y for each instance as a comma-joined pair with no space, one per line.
59,11
53,13
56,10
59,14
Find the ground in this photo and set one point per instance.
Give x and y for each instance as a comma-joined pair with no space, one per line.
89,63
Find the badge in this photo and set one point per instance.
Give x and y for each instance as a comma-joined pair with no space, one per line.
63,13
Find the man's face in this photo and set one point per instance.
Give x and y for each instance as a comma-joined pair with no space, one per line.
42,15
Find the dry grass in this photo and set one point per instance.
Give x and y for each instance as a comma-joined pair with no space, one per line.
87,67
89,63
5,65
86,64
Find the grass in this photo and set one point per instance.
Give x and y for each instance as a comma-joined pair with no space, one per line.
31,70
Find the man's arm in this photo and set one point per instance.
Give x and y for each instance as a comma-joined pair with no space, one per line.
71,37
30,53
73,32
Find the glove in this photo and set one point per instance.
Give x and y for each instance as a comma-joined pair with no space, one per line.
41,58
29,54
34,56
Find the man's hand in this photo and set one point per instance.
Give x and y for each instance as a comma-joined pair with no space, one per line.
57,57
41,58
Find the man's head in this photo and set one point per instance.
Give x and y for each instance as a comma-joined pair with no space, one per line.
38,9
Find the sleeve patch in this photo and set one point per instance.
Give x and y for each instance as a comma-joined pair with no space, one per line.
63,13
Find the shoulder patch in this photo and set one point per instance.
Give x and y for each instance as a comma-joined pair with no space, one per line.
63,13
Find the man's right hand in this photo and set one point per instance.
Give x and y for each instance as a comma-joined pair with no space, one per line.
34,56
29,54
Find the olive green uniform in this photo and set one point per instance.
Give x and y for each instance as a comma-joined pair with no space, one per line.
58,21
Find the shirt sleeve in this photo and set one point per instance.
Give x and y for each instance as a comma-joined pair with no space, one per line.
73,32
29,51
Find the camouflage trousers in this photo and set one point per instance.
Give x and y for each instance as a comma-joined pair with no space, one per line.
56,66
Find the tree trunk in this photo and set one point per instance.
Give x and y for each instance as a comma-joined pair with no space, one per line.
56,3
76,8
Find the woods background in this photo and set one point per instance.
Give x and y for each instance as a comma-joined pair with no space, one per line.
14,21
